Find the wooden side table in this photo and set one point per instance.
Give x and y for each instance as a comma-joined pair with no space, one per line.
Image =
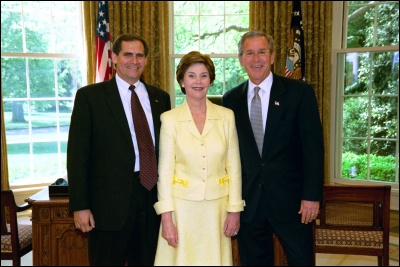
55,240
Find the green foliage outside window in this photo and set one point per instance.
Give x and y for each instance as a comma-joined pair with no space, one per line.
370,97
215,30
42,68
382,167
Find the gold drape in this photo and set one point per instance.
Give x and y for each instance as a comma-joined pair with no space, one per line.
148,19
274,17
4,159
89,11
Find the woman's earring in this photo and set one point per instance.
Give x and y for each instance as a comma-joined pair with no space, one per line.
183,85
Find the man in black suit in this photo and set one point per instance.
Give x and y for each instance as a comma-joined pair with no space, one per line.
283,185
103,167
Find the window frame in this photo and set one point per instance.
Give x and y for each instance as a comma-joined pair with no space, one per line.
173,56
58,138
339,34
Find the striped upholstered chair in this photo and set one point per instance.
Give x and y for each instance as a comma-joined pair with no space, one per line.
16,238
354,220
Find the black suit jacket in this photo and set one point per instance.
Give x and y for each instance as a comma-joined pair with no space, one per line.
291,166
100,155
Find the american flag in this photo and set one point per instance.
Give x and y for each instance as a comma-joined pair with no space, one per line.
287,72
295,60
104,70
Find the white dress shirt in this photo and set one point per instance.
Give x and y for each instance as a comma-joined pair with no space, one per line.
264,93
125,94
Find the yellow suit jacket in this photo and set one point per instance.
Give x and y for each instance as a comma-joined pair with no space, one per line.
196,166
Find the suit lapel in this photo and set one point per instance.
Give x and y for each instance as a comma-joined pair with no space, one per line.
274,112
155,111
243,118
211,117
114,102
185,116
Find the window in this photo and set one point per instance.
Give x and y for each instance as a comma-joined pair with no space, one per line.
366,78
42,66
213,29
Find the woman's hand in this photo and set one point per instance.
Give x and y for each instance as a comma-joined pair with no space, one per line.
232,224
169,231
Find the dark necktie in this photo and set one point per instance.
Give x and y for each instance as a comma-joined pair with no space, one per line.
147,155
256,119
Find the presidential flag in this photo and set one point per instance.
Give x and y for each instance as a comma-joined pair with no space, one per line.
104,69
295,60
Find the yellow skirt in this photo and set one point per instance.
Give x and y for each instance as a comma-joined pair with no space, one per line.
201,240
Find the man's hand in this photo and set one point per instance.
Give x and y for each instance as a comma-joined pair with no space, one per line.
309,210
84,220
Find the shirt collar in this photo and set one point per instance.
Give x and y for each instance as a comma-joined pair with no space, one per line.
123,84
264,85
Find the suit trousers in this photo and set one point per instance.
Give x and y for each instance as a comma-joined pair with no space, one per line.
135,244
256,243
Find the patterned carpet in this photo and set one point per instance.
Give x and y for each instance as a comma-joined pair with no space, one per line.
394,239
394,251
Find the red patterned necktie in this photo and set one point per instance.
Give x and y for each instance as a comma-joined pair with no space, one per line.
147,155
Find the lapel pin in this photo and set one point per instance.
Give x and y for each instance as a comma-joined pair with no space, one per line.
276,103
156,100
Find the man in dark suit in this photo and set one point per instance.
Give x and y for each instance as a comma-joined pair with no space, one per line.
282,185
103,164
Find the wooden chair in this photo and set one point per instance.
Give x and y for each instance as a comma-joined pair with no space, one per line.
354,220
16,239
235,252
279,253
